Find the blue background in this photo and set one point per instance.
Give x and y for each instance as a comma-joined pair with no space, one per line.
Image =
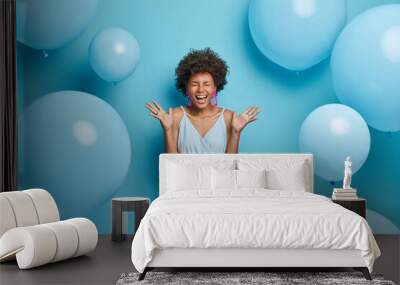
165,31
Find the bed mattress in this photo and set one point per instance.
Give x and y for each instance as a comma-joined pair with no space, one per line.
250,219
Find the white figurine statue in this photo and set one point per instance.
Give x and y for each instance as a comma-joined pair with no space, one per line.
347,173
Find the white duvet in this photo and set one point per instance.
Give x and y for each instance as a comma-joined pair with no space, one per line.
251,218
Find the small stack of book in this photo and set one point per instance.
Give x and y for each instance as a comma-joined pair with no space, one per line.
344,194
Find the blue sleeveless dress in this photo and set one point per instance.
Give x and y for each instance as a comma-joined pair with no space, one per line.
190,141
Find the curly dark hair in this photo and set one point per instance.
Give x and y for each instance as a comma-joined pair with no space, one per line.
198,61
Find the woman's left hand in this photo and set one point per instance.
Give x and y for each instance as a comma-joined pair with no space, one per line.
248,116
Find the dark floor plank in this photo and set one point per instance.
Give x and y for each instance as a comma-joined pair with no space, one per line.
103,266
389,262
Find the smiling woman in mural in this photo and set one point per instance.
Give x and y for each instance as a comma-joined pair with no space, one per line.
201,126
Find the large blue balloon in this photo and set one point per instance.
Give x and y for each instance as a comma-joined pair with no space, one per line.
296,34
332,132
77,147
49,24
114,54
365,66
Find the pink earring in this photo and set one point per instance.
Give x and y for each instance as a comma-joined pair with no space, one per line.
214,99
189,102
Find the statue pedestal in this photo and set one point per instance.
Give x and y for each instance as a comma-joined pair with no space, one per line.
344,194
345,190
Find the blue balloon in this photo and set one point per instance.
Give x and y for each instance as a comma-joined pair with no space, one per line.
77,147
49,24
332,132
365,66
296,34
114,54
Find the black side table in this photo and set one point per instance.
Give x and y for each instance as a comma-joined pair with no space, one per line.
120,206
357,205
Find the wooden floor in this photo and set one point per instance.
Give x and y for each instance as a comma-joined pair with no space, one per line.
111,259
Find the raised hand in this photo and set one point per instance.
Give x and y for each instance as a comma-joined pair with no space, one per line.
248,116
156,111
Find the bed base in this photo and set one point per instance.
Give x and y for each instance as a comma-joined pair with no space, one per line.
364,270
244,259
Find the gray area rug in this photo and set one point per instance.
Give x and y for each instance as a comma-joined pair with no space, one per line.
228,278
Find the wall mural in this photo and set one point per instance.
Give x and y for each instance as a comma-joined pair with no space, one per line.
77,146
45,31
325,72
296,34
365,65
114,54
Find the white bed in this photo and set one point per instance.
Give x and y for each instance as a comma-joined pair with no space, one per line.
200,223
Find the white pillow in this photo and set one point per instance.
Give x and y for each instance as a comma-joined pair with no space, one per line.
223,179
288,179
251,178
181,177
237,179
281,174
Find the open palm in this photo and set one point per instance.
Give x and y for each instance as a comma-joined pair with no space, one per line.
156,111
248,116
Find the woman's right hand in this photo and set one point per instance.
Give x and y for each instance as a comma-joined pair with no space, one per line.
166,119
